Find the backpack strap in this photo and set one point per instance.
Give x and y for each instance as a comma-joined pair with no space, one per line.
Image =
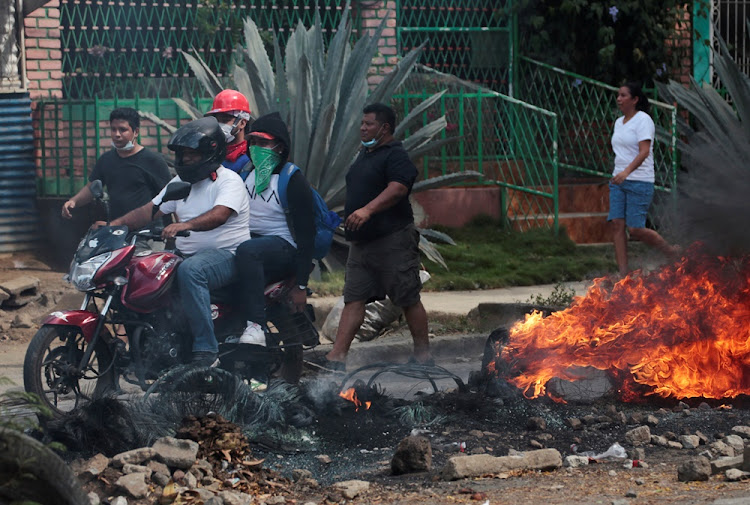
284,176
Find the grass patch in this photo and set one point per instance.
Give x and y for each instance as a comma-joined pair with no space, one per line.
487,256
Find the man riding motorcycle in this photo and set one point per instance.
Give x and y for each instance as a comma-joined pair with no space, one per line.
216,213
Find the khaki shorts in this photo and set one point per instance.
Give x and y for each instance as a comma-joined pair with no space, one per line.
385,266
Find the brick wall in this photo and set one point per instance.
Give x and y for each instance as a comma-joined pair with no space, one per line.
43,54
681,47
371,15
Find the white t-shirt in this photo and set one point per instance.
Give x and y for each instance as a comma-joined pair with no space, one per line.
227,190
625,141
267,216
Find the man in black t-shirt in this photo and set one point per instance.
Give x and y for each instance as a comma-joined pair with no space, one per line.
132,174
384,254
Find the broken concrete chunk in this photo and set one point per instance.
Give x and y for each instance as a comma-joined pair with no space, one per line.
19,285
719,448
176,452
735,442
695,469
720,465
638,436
22,320
352,488
413,454
460,467
300,473
689,441
136,457
128,468
743,431
734,474
134,484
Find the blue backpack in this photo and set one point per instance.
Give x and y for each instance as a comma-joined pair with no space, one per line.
326,221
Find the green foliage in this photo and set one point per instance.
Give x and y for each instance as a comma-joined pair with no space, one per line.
486,255
561,296
12,402
609,41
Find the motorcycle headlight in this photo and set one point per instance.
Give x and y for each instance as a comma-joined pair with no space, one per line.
82,274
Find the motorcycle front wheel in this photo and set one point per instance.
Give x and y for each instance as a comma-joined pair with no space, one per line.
50,369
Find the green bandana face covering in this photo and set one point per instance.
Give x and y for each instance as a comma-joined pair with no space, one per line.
265,160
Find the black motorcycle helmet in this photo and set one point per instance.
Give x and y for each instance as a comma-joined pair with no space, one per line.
205,136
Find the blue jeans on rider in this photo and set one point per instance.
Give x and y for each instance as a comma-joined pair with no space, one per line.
261,261
197,276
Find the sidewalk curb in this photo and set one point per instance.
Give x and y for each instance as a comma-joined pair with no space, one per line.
399,349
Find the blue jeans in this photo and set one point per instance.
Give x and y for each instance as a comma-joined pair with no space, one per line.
196,277
260,261
630,201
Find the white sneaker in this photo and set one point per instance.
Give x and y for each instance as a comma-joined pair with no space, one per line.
253,334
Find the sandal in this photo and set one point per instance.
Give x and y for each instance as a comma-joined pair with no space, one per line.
325,364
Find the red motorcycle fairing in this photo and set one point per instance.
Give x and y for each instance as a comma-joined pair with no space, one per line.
150,276
83,319
120,258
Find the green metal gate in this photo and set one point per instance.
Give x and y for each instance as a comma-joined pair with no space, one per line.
128,48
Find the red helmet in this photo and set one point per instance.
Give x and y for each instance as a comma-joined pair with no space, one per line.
229,100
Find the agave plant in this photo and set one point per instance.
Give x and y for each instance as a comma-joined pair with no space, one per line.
713,189
321,95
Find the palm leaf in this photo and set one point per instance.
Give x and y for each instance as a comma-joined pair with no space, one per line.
189,109
431,252
157,121
425,134
414,114
445,180
204,74
435,235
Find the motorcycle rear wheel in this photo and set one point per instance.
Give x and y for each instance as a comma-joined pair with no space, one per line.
50,369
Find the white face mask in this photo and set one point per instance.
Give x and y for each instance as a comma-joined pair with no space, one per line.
374,141
127,147
227,129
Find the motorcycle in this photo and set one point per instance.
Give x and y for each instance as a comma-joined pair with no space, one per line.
131,327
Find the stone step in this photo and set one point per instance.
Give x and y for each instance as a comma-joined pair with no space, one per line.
581,227
591,197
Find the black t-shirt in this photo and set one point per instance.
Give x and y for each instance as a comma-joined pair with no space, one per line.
368,176
131,182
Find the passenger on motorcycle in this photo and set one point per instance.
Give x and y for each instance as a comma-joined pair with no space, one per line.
282,240
232,110
217,215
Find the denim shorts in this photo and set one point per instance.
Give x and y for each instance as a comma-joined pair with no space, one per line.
630,201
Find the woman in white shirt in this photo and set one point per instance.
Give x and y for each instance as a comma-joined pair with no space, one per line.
631,188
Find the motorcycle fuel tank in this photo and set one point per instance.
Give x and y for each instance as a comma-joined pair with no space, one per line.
150,277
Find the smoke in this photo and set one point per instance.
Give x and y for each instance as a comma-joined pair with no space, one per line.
712,204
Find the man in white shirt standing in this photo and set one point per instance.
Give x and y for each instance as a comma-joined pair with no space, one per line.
217,215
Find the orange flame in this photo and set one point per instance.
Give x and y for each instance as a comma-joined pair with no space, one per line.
351,395
682,332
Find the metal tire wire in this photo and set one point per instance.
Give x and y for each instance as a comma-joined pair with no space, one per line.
417,371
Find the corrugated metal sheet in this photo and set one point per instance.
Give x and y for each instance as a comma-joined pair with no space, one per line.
19,220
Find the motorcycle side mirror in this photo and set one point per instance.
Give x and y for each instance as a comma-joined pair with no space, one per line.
178,190
97,189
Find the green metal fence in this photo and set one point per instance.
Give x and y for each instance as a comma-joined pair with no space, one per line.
74,133
471,39
586,109
127,48
511,143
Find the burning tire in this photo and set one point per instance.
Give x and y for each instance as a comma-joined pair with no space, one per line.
31,473
50,369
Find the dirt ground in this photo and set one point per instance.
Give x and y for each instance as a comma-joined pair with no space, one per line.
361,444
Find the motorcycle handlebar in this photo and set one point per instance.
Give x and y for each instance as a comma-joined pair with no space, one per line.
155,233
